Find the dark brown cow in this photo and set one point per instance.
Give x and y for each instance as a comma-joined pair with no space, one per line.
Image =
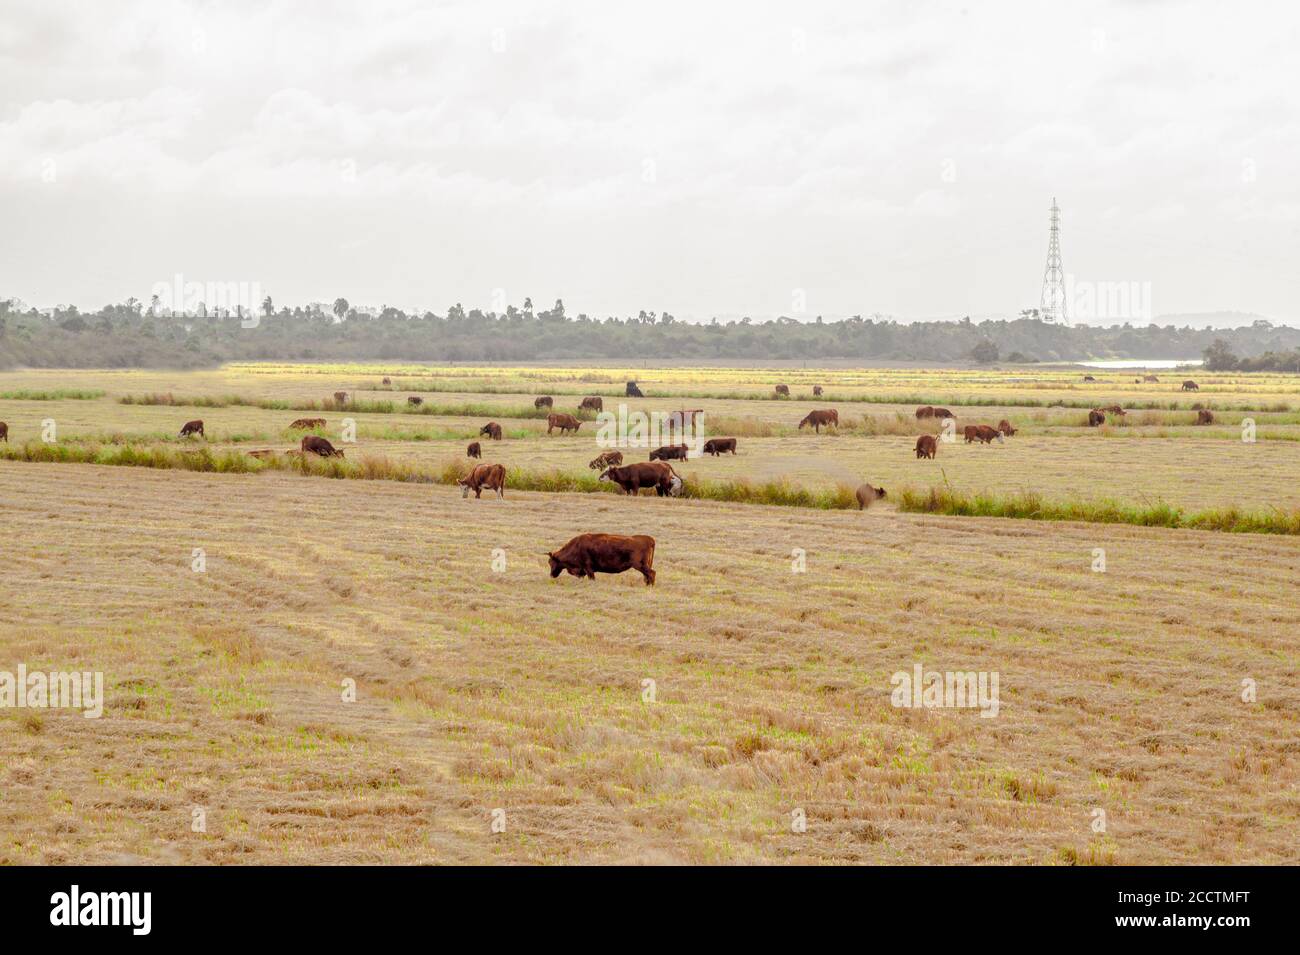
943,413
656,474
1096,418
387,381
592,404
490,476
783,390
474,451
926,446
1089,378
633,391
340,397
606,459
925,411
717,446
306,424
1190,385
1205,416
669,452
819,418
1005,427
316,445
867,494
492,430
4,432
565,422
192,427
545,401
981,432
817,391
414,400
590,554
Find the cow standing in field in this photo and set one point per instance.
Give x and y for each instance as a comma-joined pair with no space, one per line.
656,474
819,418
490,476
982,433
340,397
414,400
925,411
492,430
565,422
1190,385
1205,416
606,459
590,554
1115,410
783,391
1005,427
1089,378
943,413
316,445
669,452
867,495
633,391
387,381
474,451
592,404
545,401
717,446
4,432
193,427
926,446
1096,418
306,424
817,391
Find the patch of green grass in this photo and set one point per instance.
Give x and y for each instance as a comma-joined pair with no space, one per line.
58,394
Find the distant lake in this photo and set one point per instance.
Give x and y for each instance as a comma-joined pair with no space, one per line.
1141,363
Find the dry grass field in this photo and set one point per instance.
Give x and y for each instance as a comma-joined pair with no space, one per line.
483,688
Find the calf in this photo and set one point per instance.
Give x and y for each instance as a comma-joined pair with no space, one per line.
926,446
1205,416
867,494
474,451
592,404
565,422
819,418
545,401
492,430
414,400
590,554
656,474
306,424
490,476
1190,385
192,427
717,446
1096,418
606,459
669,452
317,445
1005,427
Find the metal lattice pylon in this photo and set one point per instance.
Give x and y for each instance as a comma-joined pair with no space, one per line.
1052,305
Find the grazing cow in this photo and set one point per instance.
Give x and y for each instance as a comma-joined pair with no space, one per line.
656,474
867,494
717,446
633,391
340,397
387,381
490,476
817,391
1190,385
819,418
783,390
669,452
925,411
590,554
1205,416
1114,409
926,446
594,404
981,432
193,427
306,424
474,451
1096,418
317,445
545,401
565,422
414,400
1089,378
606,459
943,413
1005,427
4,432
492,430
1150,378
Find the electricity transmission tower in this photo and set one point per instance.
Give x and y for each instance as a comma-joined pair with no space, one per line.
1052,306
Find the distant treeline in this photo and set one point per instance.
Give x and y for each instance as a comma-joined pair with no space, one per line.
133,335
1220,356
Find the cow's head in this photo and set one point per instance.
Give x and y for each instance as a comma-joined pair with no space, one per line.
880,492
675,486
464,487
606,475
556,567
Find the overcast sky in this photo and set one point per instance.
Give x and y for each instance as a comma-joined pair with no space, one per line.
700,158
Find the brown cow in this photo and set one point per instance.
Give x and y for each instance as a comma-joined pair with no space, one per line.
1205,416
1089,378
606,459
783,390
490,476
656,474
594,404
817,391
926,446
1190,385
565,422
193,427
819,418
1096,418
590,554
943,413
474,451
925,411
340,397
981,432
414,400
492,430
387,381
717,446
669,452
317,445
306,424
1005,427
867,494
4,432
545,401
1114,409
633,391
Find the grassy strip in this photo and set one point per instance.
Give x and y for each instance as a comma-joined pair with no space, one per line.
1030,506
463,410
58,394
